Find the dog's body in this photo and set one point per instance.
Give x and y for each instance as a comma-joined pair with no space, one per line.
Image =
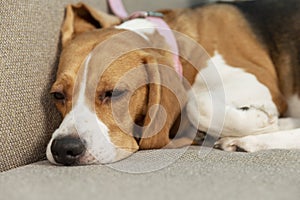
254,48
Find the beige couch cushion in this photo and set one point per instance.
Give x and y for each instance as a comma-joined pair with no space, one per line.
265,175
29,55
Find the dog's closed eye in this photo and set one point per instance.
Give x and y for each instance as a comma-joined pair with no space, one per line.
111,94
58,96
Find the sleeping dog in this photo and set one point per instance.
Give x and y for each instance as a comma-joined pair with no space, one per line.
118,91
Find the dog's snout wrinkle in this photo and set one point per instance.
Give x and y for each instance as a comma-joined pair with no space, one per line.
67,150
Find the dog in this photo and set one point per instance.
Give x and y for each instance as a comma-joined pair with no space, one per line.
118,92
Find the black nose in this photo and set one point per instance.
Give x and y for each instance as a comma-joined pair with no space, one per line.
67,150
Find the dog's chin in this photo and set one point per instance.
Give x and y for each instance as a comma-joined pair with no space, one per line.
90,159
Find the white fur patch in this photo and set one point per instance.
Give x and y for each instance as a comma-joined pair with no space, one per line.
247,108
143,27
83,121
293,106
289,123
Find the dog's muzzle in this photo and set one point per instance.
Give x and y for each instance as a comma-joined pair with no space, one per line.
67,150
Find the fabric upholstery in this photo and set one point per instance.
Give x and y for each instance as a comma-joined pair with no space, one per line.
267,175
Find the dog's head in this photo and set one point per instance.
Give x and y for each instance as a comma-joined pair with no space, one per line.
112,91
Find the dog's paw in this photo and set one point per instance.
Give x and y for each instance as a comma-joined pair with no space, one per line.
244,144
229,144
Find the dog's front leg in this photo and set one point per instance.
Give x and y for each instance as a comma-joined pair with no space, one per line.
287,139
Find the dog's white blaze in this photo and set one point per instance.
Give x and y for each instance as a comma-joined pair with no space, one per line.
143,27
89,127
81,96
241,89
293,106
83,121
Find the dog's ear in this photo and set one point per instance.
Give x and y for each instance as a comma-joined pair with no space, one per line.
80,18
166,98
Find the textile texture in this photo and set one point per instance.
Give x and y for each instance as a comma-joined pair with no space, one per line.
267,175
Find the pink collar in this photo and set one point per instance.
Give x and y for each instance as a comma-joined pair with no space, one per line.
163,28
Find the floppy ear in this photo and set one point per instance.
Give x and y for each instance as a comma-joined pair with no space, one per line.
80,18
166,98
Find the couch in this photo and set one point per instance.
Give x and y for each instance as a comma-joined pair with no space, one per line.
30,50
